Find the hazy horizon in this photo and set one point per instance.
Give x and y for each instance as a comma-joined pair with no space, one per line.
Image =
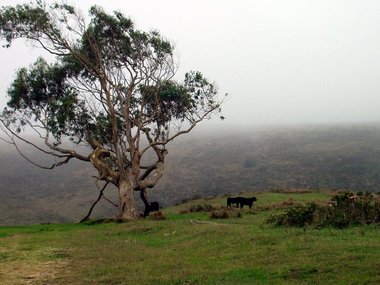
283,63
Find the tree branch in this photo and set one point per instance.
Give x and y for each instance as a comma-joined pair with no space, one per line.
93,205
146,180
13,142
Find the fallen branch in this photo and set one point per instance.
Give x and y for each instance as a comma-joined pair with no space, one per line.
205,222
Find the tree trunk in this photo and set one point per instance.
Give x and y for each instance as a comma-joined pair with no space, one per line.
127,209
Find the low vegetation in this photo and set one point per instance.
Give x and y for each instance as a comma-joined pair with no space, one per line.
198,208
193,248
345,209
225,213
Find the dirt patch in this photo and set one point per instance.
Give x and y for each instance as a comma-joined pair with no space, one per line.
16,272
26,266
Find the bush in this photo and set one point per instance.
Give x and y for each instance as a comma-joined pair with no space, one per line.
295,216
202,208
346,209
199,208
158,215
352,209
225,214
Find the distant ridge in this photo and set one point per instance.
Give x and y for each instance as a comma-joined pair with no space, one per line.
204,164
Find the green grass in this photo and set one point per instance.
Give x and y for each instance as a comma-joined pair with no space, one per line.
182,250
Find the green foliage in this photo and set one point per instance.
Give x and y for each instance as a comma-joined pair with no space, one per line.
349,209
108,77
23,20
43,93
295,216
172,101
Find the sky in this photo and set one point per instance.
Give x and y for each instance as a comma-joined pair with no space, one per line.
280,61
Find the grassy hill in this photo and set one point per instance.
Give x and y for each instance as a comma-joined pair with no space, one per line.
192,248
203,164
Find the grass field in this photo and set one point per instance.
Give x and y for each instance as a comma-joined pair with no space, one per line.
192,249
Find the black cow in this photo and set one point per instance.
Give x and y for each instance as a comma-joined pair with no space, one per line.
241,201
246,201
154,206
231,201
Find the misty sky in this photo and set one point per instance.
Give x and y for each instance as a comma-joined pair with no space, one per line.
282,62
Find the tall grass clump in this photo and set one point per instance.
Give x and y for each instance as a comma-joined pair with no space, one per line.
345,209
198,208
225,214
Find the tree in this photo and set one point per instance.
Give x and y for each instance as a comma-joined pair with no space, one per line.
111,89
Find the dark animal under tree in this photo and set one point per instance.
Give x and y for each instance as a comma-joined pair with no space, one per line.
152,207
149,207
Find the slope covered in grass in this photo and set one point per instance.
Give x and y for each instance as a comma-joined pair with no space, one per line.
192,248
212,162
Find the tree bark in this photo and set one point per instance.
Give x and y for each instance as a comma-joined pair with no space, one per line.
127,210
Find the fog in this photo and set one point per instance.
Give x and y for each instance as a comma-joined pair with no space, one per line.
281,62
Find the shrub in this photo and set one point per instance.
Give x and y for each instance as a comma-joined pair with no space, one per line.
202,208
225,214
346,209
353,209
199,208
296,216
158,215
222,214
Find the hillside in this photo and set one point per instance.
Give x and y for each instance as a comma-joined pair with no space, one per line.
204,164
316,158
192,248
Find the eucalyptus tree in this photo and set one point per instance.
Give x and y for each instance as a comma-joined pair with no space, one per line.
110,88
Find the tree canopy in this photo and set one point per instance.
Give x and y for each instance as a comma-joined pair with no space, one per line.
111,88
